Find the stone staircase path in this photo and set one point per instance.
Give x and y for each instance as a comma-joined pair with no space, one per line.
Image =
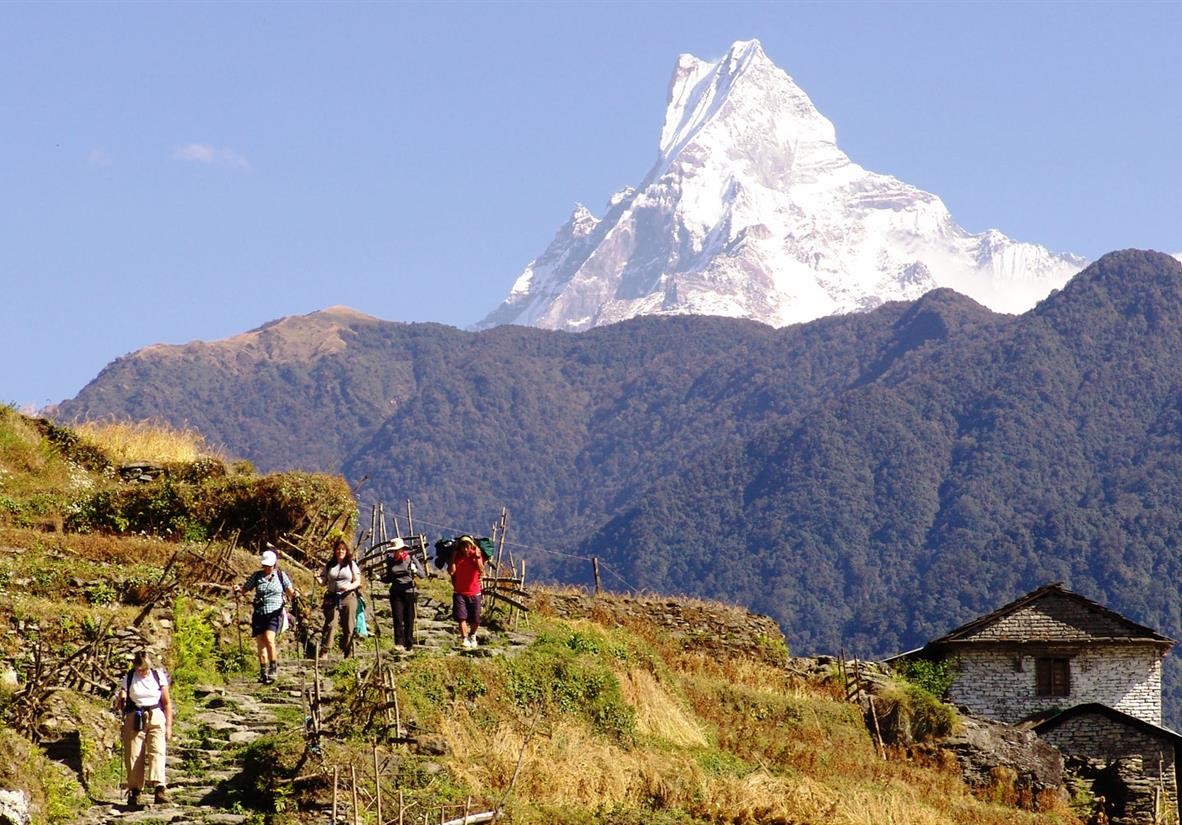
203,756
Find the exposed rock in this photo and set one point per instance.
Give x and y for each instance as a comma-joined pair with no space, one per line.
14,808
1010,760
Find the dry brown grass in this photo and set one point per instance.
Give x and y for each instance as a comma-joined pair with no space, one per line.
91,546
659,714
159,443
566,767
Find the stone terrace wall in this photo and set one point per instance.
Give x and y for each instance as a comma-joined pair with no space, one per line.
1139,757
695,624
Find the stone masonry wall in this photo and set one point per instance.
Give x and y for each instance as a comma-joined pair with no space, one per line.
1142,761
1000,684
694,624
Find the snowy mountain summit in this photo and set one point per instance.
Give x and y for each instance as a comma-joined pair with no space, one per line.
753,211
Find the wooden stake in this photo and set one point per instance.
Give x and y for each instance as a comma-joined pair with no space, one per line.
397,712
336,770
877,731
595,569
353,773
377,782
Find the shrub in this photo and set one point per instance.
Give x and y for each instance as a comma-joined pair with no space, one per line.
194,660
934,677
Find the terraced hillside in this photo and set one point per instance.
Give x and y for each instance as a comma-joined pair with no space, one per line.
584,709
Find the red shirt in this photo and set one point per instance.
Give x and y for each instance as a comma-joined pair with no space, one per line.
465,577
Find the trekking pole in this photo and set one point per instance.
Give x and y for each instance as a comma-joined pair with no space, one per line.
238,621
122,780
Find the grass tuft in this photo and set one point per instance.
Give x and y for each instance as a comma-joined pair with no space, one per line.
154,442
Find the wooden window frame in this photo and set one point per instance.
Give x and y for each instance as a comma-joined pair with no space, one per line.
1052,676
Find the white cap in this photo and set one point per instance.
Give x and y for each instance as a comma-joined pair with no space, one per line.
397,544
269,558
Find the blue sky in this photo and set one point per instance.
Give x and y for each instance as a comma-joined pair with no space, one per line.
173,171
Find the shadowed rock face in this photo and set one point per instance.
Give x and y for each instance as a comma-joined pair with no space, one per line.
993,755
752,211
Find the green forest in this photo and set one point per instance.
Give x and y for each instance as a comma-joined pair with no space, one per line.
870,481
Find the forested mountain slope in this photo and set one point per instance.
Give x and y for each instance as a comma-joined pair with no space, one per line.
868,480
968,472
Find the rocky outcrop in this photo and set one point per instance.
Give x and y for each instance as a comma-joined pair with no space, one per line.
1011,763
14,808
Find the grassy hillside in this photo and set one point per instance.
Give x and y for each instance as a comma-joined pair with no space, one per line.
603,719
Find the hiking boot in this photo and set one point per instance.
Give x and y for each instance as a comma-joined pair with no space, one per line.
133,797
472,640
264,677
272,670
160,797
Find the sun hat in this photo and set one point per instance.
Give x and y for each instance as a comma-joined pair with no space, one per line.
269,558
397,544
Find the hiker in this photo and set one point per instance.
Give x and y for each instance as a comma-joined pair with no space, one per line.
269,584
341,578
146,707
401,570
465,567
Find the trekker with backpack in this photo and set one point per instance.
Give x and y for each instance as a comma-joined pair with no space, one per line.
146,707
270,585
400,573
466,566
341,578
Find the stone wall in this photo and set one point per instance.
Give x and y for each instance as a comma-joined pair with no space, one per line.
1127,765
1000,684
694,624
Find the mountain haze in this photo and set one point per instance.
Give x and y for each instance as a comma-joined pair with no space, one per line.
752,211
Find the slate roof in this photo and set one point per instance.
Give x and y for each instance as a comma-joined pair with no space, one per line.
1112,713
1103,625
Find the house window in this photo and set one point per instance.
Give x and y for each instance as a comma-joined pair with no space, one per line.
1052,677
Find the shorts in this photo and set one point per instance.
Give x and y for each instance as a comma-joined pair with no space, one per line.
466,608
262,622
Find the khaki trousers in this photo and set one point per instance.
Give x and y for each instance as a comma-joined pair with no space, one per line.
344,614
144,750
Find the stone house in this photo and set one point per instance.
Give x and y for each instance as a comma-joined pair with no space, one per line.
1050,650
1086,678
1131,763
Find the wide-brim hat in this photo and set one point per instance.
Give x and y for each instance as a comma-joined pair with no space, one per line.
269,558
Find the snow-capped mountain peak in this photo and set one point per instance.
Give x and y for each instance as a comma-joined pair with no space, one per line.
751,210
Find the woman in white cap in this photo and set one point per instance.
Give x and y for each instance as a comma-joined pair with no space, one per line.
269,584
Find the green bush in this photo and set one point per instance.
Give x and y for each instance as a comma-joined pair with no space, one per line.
564,673
194,659
934,677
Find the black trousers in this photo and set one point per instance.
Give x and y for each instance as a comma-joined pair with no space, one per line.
402,606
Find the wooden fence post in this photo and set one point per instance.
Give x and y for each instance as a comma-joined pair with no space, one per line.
336,770
353,773
377,782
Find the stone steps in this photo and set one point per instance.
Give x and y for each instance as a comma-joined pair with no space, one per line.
202,758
